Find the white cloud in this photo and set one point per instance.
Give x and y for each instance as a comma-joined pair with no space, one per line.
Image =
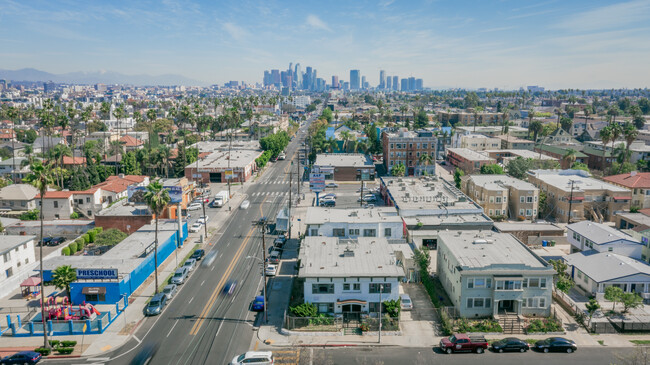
235,31
608,17
316,22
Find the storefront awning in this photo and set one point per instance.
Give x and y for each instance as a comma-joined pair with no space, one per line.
577,198
622,198
351,301
93,290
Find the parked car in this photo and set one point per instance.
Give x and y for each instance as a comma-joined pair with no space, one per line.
22,357
274,257
406,302
56,241
556,344
463,343
258,303
282,156
156,305
230,287
195,206
203,219
170,291
280,241
46,240
190,264
245,204
209,258
328,195
180,275
331,185
368,198
198,254
271,270
328,203
253,357
510,344
195,227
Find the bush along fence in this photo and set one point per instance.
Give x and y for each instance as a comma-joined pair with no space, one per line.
34,327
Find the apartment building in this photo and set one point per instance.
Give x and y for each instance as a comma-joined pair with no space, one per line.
356,222
408,147
477,142
509,142
502,195
467,160
16,252
585,197
587,235
638,183
492,131
504,156
486,274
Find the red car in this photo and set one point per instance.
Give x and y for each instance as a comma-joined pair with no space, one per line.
463,343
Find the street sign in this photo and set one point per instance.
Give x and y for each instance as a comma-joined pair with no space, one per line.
229,174
316,182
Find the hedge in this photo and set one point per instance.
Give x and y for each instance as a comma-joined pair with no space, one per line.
43,351
91,235
65,350
86,238
73,247
80,244
65,251
68,343
54,343
98,229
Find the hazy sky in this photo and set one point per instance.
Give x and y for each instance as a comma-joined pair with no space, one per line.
505,44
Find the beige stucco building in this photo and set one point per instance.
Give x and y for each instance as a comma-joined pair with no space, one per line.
502,195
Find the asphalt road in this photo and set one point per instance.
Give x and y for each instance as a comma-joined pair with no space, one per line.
201,324
426,356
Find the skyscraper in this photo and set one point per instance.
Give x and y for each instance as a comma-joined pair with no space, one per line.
335,82
314,79
395,83
306,83
355,79
419,84
411,83
389,83
405,85
275,78
382,79
364,84
267,78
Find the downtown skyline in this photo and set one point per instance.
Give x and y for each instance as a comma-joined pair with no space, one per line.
506,45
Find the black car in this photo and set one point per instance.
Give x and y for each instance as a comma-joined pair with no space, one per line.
556,344
198,255
23,357
510,344
56,241
46,241
328,203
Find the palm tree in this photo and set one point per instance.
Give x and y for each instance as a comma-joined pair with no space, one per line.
157,199
398,169
536,128
330,145
41,178
605,137
119,114
425,160
62,277
105,111
569,157
403,109
629,133
346,137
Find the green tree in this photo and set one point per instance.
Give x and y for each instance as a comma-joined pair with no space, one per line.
518,167
630,301
629,133
592,306
62,277
458,173
569,157
605,137
327,114
493,169
129,164
566,124
109,237
157,198
535,127
41,178
421,119
563,281
613,294
580,166
398,169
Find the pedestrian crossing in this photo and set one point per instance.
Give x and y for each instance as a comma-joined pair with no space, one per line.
270,193
275,182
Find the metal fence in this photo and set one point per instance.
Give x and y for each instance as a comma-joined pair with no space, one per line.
387,324
313,324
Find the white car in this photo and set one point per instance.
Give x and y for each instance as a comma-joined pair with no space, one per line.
406,302
203,219
253,357
195,227
245,204
271,270
327,198
332,185
195,206
368,198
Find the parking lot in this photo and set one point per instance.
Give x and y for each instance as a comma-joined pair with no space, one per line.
348,194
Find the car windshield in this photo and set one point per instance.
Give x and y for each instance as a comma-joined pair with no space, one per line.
548,341
241,357
406,301
154,303
178,274
452,339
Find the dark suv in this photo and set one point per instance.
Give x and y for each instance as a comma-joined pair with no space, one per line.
198,254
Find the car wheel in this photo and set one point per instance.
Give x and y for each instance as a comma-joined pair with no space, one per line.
450,351
546,350
479,350
569,350
522,350
500,350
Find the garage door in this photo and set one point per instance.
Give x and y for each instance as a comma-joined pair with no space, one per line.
215,177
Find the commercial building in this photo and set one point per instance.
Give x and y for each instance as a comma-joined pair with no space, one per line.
587,235
351,277
583,196
429,206
638,183
126,216
486,274
345,166
355,79
219,163
467,160
502,195
356,222
408,148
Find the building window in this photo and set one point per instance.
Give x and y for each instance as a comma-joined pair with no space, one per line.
522,199
314,232
374,288
56,204
325,307
491,199
370,233
542,302
387,232
353,232
338,232
491,212
479,283
322,288
9,272
529,212
498,199
373,307
352,287
521,212
508,285
7,256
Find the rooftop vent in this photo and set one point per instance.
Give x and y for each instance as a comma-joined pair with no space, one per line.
482,241
348,252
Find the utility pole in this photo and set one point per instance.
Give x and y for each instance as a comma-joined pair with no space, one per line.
361,198
262,223
290,188
570,202
229,177
381,289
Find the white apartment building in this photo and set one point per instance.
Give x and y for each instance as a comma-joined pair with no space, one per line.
381,222
16,255
587,235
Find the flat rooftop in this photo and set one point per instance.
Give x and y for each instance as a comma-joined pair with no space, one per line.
638,218
500,182
526,226
427,193
561,179
7,243
362,257
520,153
470,155
344,160
484,250
215,146
320,215
124,208
219,160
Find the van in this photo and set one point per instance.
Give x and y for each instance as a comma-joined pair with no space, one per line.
180,275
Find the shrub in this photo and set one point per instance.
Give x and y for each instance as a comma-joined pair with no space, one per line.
321,319
109,237
80,244
43,351
68,343
65,251
54,343
31,215
545,325
304,310
65,350
73,248
98,229
86,238
74,215
91,236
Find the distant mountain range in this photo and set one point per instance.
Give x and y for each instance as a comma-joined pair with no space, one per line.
99,77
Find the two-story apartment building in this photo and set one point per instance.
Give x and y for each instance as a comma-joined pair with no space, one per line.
585,197
509,142
502,195
587,235
16,252
407,147
477,142
466,118
61,204
487,274
349,276
468,160
381,222
18,197
638,183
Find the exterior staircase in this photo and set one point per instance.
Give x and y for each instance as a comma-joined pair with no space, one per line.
511,323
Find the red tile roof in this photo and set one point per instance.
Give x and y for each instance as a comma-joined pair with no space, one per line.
67,160
129,141
56,195
638,180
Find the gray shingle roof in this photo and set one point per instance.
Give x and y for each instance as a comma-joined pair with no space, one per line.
605,266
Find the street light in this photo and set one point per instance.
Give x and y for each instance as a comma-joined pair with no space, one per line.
264,288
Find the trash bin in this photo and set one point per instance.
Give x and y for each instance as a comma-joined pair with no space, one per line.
552,243
544,243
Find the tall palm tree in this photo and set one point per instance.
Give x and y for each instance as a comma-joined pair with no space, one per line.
157,199
425,160
569,157
346,137
41,178
605,137
629,133
119,114
403,109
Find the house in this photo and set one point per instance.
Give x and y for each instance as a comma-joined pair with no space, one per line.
576,191
131,143
71,162
486,274
18,260
594,271
44,144
116,186
408,147
467,160
639,151
57,204
18,197
345,166
341,277
587,235
355,222
502,195
638,183
15,169
558,152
